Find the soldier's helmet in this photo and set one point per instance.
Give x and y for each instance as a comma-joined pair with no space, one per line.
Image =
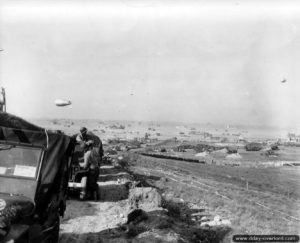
83,130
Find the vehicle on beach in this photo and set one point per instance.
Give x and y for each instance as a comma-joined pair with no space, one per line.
34,171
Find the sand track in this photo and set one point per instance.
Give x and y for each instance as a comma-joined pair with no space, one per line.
86,221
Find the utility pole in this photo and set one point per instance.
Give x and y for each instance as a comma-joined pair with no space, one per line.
2,100
2,97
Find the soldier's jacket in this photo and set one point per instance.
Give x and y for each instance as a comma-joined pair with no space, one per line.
96,141
91,159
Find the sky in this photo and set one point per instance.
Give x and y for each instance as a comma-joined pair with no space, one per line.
158,60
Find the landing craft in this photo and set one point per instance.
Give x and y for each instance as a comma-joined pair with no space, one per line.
60,102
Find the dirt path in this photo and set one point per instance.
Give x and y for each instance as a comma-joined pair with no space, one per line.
86,221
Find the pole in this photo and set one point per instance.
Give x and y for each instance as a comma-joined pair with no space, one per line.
3,106
2,102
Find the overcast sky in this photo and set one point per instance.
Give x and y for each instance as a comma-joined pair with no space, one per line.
191,61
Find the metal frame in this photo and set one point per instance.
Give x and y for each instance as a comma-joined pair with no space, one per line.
22,144
40,160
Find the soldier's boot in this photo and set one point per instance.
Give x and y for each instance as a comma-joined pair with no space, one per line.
82,195
83,192
95,196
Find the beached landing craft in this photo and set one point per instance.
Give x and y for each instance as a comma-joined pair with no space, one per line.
60,102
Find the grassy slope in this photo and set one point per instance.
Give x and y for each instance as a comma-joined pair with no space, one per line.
221,190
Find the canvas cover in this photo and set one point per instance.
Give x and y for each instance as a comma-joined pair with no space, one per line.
56,144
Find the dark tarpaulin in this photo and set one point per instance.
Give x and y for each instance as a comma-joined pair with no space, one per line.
56,144
12,121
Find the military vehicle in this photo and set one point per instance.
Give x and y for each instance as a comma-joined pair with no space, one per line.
34,173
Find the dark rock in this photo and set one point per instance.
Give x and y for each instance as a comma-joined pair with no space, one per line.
253,146
136,216
232,150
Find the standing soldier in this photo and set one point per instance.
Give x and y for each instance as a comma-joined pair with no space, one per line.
86,138
93,152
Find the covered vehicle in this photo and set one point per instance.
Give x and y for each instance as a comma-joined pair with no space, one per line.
34,168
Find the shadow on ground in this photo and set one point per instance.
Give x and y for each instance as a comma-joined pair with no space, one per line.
154,229
88,209
145,180
172,225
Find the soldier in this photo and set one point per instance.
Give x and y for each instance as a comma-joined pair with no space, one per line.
93,152
86,138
